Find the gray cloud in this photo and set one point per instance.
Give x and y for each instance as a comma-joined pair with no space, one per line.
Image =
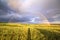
49,8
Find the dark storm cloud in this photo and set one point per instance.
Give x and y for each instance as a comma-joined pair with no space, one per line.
3,19
4,9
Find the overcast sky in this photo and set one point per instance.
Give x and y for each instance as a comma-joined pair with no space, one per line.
30,11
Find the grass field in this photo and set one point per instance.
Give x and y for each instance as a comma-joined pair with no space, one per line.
16,31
